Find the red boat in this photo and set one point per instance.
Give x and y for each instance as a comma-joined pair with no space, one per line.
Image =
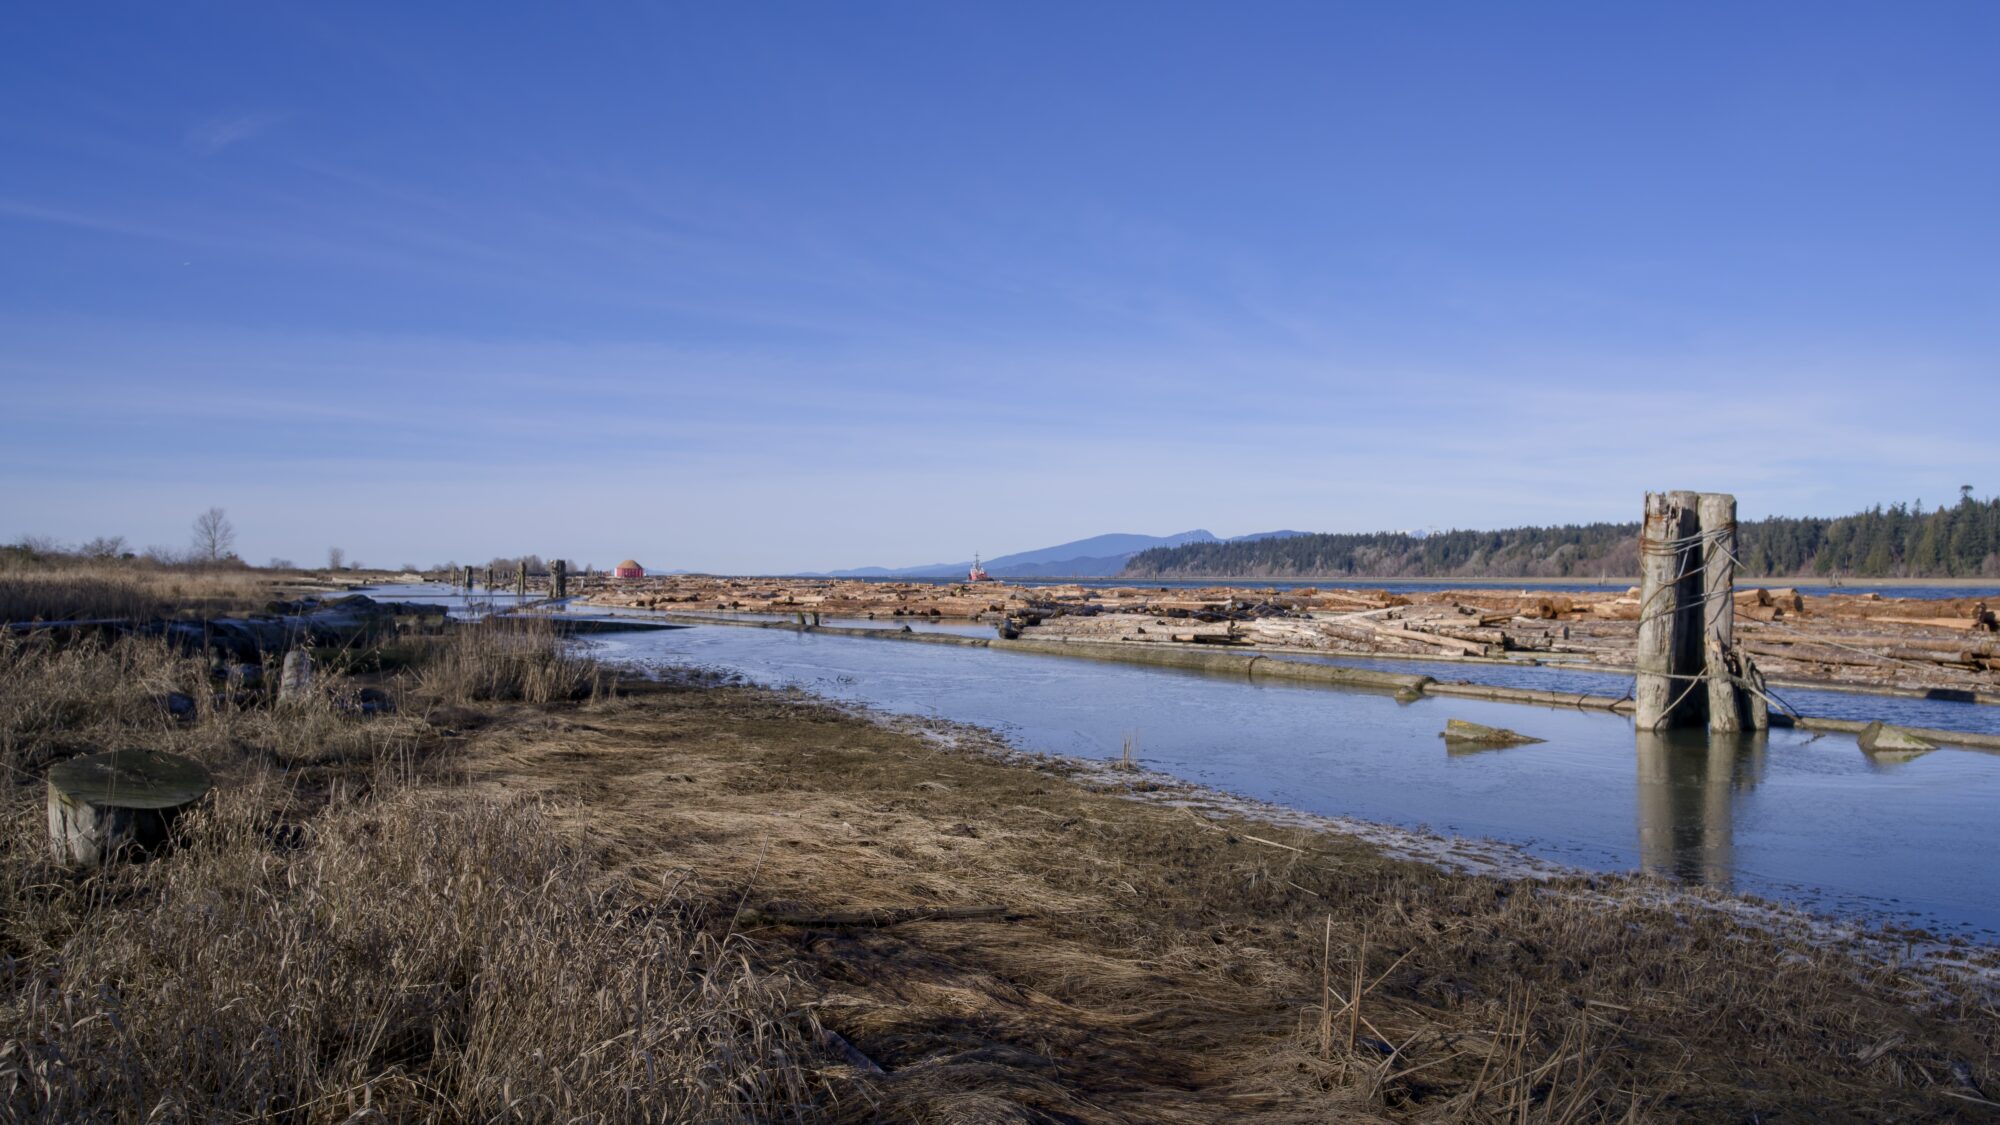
978,573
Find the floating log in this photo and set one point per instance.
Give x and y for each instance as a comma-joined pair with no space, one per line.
1477,734
1962,624
1208,639
119,804
1469,648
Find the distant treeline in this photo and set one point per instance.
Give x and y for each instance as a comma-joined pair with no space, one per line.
1900,541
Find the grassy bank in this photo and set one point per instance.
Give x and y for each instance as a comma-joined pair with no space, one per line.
526,894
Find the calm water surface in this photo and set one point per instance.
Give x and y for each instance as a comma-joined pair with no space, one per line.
1789,815
1803,818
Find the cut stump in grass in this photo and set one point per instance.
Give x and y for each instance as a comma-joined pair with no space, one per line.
112,805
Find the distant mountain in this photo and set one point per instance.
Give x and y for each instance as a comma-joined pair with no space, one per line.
1266,535
1099,556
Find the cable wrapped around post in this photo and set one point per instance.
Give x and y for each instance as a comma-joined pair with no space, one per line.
1669,646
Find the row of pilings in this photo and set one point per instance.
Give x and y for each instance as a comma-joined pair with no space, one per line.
1690,669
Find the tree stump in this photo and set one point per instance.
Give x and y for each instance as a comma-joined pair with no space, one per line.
295,682
109,806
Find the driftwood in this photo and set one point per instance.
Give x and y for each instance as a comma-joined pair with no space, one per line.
109,806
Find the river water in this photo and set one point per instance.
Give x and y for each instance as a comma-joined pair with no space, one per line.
1788,815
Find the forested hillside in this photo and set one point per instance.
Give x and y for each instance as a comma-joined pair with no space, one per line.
1900,541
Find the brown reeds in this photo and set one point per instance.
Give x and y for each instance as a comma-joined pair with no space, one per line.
136,590
414,957
511,659
345,933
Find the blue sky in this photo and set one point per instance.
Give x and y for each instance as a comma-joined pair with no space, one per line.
777,287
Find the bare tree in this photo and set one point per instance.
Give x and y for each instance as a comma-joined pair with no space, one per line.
214,536
104,547
334,557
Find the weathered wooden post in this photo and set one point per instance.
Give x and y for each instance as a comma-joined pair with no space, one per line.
1669,652
559,579
104,806
295,682
521,580
489,579
468,578
1718,593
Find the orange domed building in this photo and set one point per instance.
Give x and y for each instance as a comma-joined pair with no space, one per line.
628,569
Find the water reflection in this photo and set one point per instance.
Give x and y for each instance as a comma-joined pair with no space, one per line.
1689,781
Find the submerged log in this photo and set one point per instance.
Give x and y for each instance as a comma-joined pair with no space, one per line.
113,805
1477,734
1881,738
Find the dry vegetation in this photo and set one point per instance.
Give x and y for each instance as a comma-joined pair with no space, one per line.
1155,965
522,896
343,932
89,591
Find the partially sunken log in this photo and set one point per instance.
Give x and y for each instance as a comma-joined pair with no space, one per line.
1458,731
1884,740
109,806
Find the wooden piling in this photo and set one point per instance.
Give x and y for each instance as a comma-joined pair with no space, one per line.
559,579
295,681
468,578
1717,513
1668,650
521,580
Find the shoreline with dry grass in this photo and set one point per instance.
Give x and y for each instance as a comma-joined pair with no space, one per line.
530,888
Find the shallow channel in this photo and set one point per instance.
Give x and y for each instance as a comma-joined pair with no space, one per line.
1798,817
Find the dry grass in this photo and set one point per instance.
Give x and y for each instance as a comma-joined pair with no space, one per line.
520,659
1164,966
413,957
346,931
131,590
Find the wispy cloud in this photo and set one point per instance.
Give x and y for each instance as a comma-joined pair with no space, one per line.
217,133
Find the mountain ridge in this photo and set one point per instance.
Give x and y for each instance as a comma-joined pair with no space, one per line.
1097,556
